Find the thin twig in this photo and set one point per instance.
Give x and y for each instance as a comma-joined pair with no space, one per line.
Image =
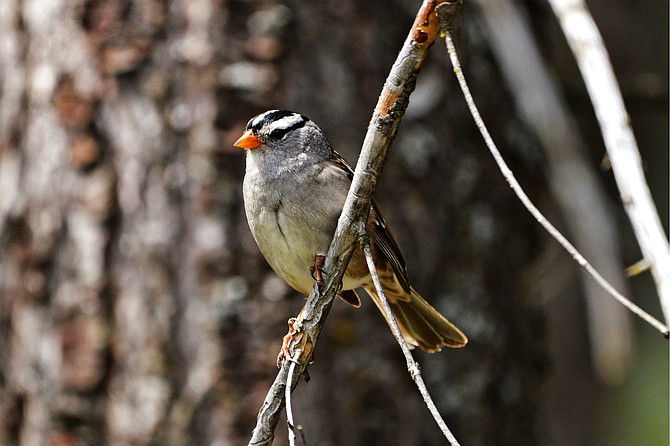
587,46
516,187
412,365
289,408
574,183
381,131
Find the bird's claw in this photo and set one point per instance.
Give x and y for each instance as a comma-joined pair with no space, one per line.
317,269
293,328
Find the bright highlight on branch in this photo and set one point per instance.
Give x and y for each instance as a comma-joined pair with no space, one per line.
514,184
587,46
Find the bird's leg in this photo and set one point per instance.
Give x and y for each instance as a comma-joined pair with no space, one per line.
317,269
294,336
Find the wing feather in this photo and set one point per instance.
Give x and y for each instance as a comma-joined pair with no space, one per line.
380,234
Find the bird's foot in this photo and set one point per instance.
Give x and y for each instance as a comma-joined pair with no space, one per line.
317,269
293,329
296,346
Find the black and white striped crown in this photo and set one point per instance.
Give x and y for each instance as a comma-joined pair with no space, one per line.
276,123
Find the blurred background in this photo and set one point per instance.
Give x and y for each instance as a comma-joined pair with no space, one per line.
136,309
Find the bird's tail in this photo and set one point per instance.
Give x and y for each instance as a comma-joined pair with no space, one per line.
421,324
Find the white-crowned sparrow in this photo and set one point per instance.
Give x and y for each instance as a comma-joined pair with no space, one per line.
294,190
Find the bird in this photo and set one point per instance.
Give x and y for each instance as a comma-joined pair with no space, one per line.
294,190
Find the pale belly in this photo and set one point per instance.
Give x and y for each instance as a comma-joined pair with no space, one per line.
290,247
291,235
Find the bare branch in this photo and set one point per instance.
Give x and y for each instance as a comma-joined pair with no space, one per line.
381,132
445,14
289,409
412,365
587,46
574,183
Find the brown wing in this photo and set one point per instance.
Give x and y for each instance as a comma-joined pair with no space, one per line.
381,234
336,158
386,243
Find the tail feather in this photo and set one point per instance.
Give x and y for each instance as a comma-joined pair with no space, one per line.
421,324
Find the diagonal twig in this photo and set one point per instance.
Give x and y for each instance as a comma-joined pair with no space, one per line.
587,46
412,365
445,17
382,129
573,182
289,408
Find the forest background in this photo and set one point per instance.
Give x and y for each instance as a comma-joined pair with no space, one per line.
136,309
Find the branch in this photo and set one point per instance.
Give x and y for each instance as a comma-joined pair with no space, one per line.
587,46
412,365
381,132
289,409
573,182
445,17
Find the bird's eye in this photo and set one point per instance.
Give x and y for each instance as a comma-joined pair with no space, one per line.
278,133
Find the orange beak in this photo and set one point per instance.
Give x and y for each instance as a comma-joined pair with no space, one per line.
248,141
